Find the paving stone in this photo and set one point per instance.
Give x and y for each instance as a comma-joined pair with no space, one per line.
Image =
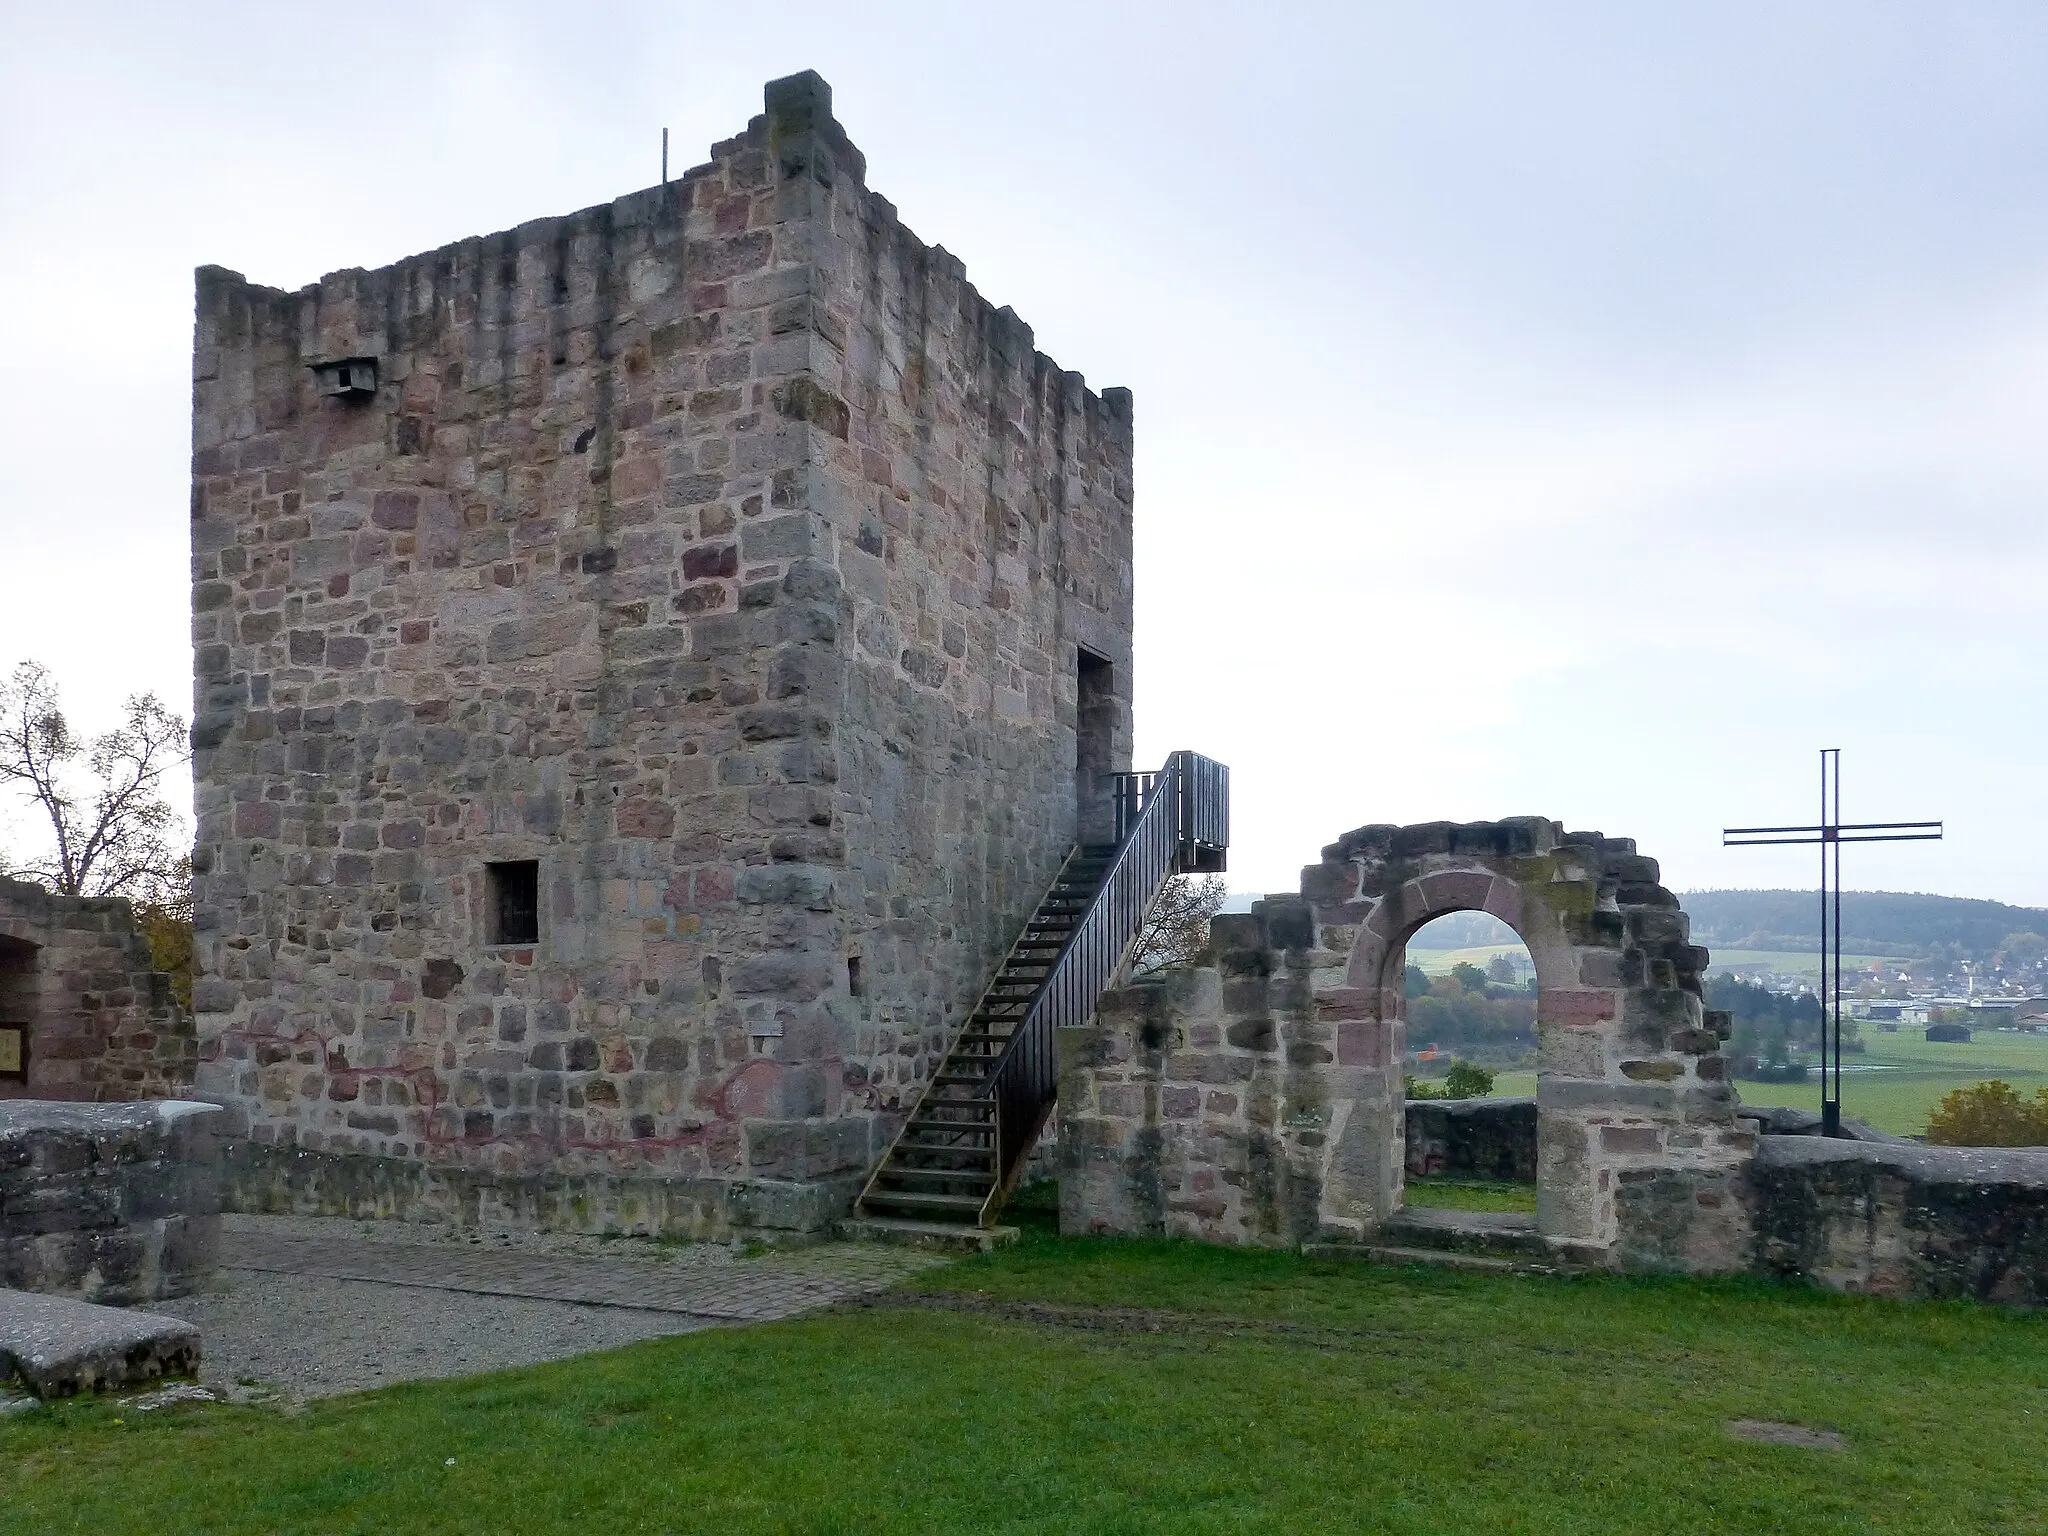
60,1346
758,1290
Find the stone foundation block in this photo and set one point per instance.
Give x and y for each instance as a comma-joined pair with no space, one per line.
59,1346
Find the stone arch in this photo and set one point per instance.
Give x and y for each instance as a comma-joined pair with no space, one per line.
1631,1083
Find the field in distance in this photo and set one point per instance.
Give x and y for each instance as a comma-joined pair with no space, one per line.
1781,962
1895,1084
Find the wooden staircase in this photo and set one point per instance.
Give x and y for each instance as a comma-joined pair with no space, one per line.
943,1167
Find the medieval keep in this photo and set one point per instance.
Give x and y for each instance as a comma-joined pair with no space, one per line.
659,674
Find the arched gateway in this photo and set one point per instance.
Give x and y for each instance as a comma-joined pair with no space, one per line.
1260,1098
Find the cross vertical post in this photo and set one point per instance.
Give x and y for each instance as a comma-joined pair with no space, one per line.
1830,834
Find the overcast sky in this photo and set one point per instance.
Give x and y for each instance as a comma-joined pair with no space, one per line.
1576,410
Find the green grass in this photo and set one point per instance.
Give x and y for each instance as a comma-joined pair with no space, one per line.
1783,962
1907,1079
1794,962
1444,1193
1912,1074
1438,962
1506,1085
1268,1393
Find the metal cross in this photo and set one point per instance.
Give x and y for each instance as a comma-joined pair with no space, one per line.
1831,833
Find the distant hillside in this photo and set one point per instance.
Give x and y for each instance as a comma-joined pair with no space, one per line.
1463,930
1907,925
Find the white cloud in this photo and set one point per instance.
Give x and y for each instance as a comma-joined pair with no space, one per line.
1585,410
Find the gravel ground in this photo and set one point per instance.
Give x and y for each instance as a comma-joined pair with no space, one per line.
301,1336
291,1337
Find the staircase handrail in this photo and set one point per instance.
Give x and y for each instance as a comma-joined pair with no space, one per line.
1179,813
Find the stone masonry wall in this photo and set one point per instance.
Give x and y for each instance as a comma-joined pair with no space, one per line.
720,550
1195,1104
980,502
1630,1089
1471,1138
117,1203
102,1023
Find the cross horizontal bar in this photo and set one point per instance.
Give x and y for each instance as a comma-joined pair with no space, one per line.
1843,826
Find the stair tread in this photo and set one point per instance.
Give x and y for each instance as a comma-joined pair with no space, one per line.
981,1176
904,1199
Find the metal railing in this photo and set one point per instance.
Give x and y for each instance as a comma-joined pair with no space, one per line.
1167,823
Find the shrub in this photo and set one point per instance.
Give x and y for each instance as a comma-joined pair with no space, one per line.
1990,1114
170,946
1463,1081
1466,1081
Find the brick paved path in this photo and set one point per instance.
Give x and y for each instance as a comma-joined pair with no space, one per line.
773,1286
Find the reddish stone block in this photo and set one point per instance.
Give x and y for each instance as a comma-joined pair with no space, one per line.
1345,1003
1504,901
1362,1043
1455,891
1560,1006
259,818
1632,1139
396,510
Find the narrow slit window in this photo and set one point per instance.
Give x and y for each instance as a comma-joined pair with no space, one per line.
512,891
855,986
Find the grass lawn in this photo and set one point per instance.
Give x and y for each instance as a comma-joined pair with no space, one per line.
1893,1084
1903,1076
1087,1385
1793,962
1444,1193
1438,962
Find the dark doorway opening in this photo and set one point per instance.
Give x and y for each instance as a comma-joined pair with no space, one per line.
17,1007
512,899
1094,747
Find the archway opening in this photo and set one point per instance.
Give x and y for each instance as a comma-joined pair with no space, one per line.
17,1009
1469,1066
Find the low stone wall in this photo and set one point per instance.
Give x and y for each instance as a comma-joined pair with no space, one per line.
269,1179
1898,1219
117,1203
1197,1104
1472,1138
88,1015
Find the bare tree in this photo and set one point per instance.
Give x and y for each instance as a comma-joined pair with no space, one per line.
111,829
1176,930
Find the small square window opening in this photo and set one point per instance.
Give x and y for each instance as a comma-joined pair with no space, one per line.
512,901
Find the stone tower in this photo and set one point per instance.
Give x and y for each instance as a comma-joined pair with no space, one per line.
647,664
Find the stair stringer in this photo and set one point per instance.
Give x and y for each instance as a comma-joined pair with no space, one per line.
933,1091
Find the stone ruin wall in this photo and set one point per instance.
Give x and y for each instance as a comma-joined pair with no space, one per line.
115,1203
1197,1104
1256,1099
719,548
1304,996
102,1022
